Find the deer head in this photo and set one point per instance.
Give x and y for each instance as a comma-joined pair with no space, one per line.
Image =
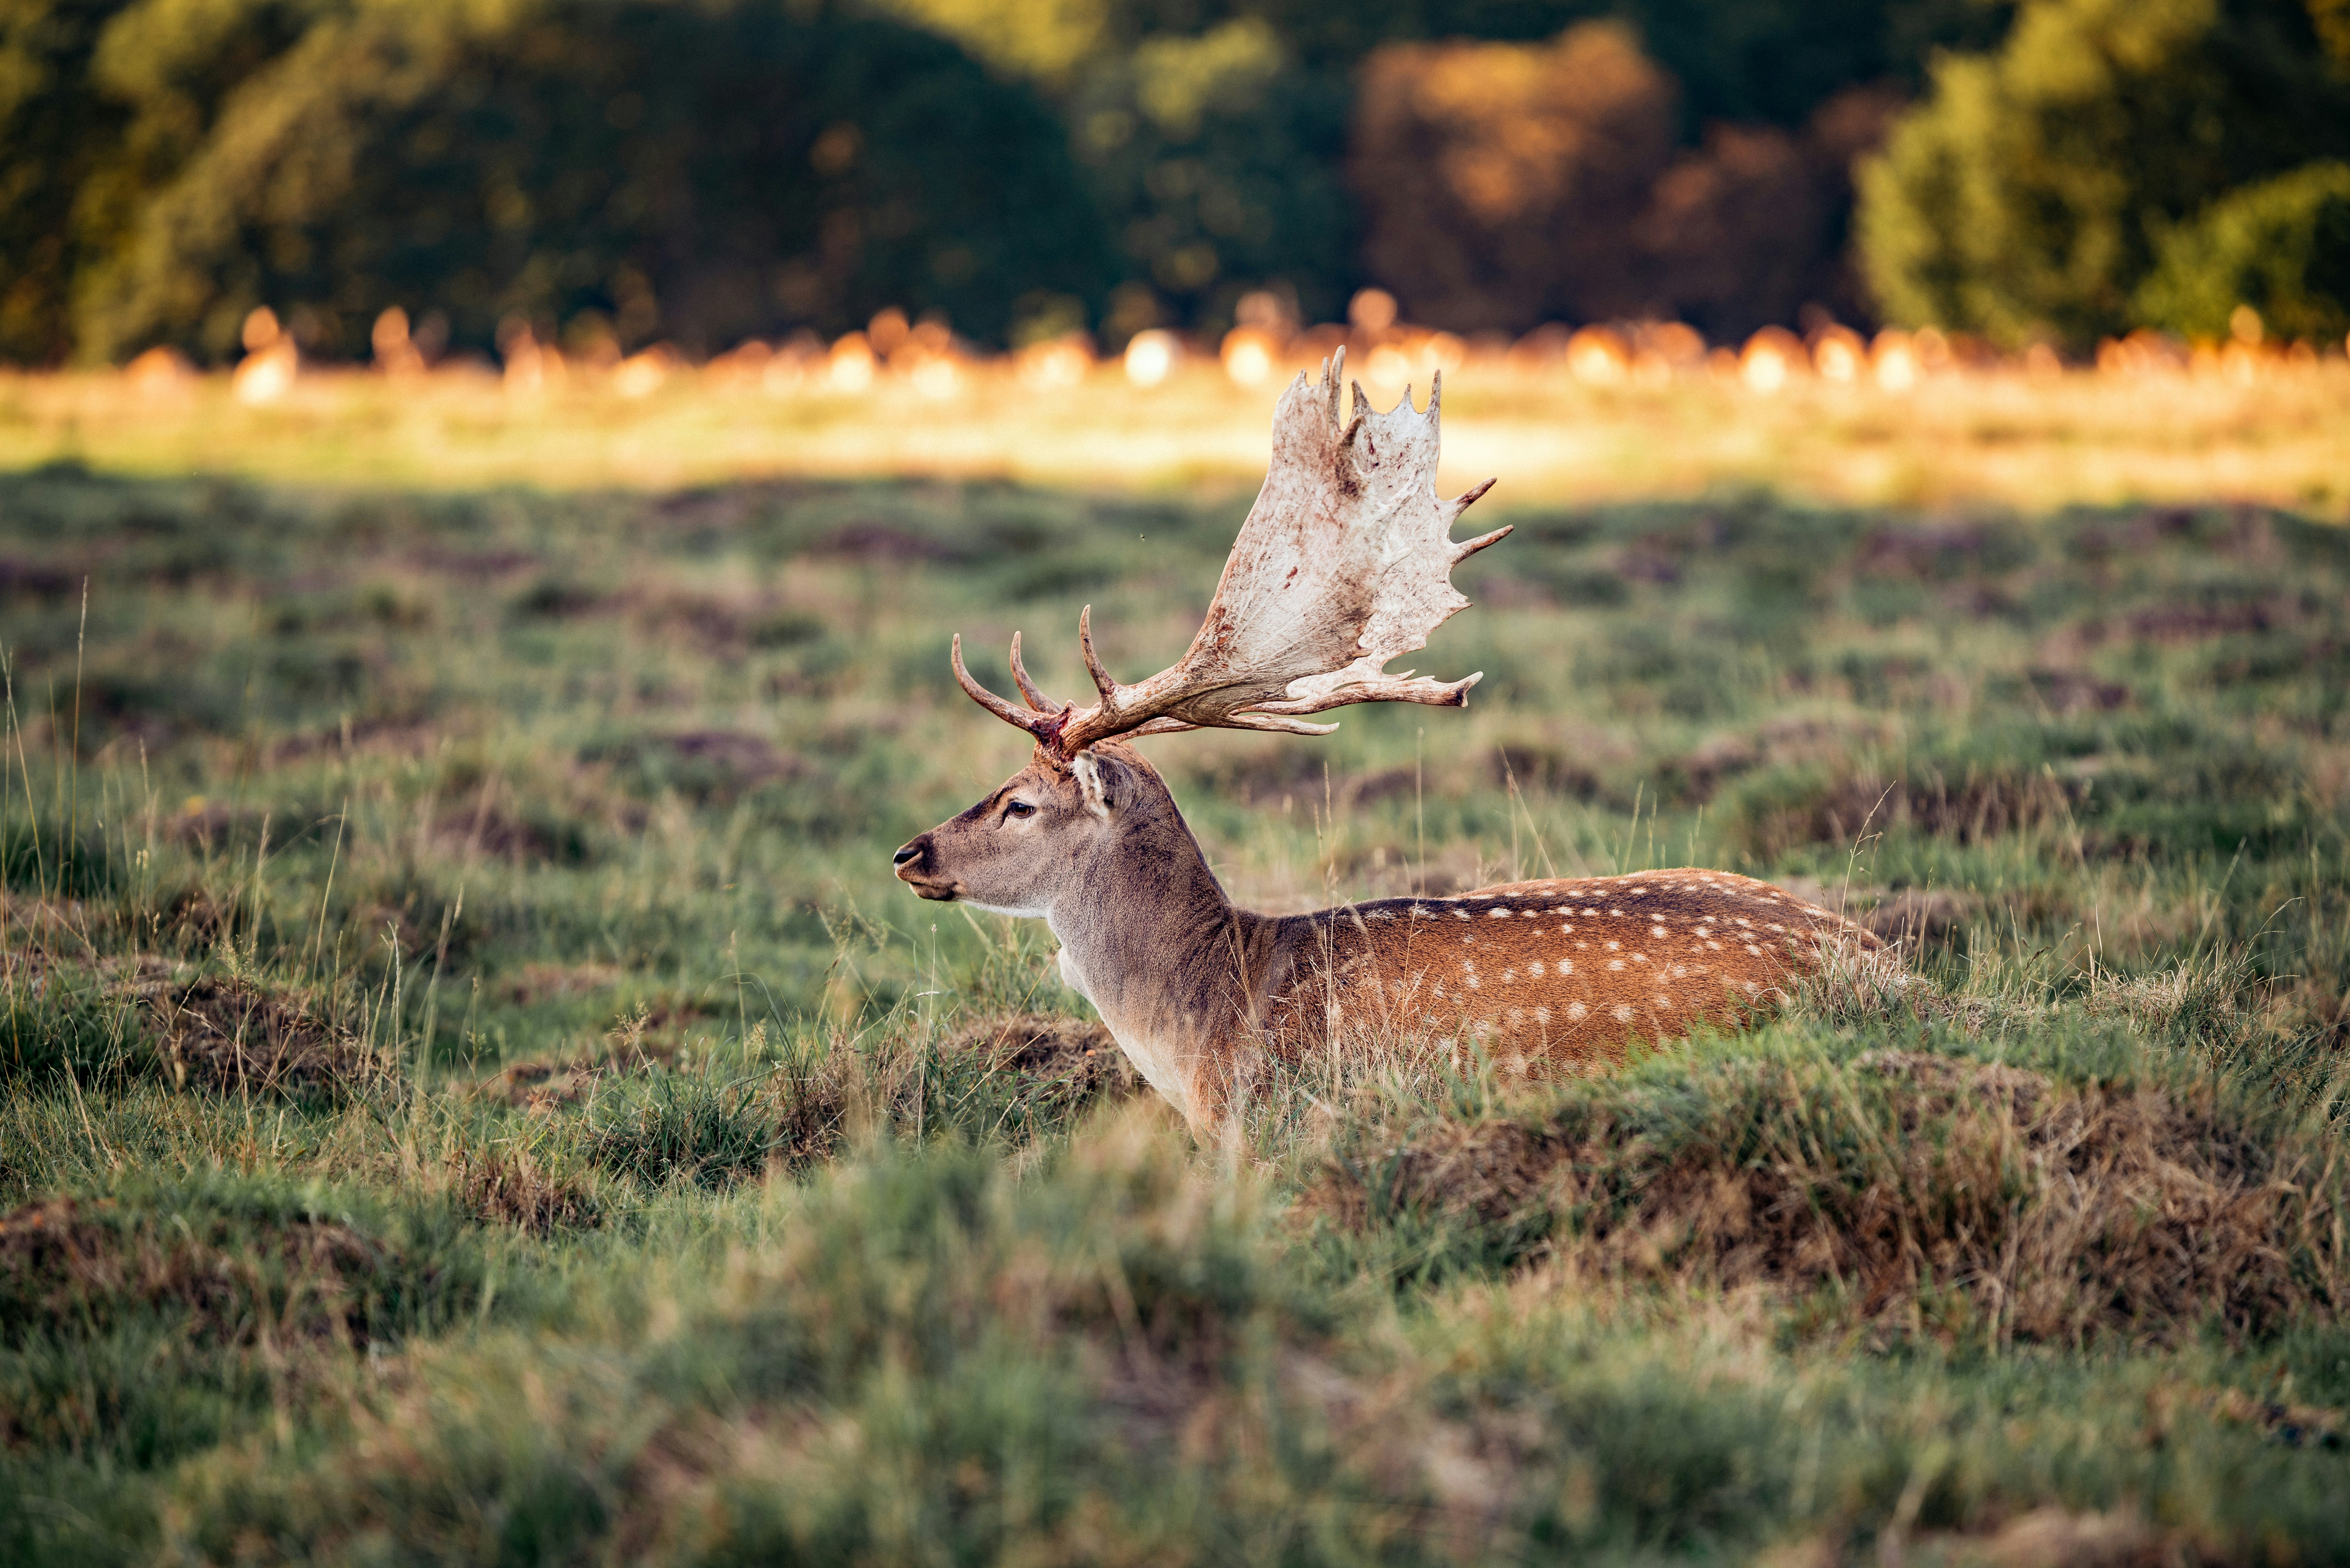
1343,564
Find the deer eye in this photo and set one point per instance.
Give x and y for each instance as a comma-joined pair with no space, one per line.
1018,808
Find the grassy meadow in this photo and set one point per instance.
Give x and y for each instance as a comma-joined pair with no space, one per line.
473,1093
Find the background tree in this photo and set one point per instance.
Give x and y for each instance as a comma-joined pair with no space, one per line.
2028,196
1503,184
645,169
59,137
1499,182
2282,246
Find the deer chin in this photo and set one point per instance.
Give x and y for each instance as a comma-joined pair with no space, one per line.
947,890
1019,911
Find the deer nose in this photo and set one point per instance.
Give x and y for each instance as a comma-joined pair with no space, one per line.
904,855
914,856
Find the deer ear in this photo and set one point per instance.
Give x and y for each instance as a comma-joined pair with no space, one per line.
1099,783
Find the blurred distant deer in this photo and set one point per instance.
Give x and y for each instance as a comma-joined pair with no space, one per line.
1343,564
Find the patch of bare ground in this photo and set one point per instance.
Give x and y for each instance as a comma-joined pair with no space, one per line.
1788,740
1903,1193
384,735
654,1038
2065,691
1052,1064
522,838
541,1086
537,982
296,1280
231,1036
1071,1056
1976,806
510,1187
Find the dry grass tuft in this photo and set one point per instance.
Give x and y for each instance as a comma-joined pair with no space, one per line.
1906,1193
298,1280
509,1188
231,1036
1044,1068
1072,1057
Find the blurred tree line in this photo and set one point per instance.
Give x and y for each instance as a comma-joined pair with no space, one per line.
2117,164
615,172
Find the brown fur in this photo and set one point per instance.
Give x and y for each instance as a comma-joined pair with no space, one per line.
1549,975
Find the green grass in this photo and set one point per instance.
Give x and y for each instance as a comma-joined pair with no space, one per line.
470,1089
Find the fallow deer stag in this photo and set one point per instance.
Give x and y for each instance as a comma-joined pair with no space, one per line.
1344,563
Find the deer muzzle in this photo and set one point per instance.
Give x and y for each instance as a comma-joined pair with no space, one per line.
917,866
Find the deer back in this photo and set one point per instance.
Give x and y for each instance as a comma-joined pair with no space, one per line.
1559,972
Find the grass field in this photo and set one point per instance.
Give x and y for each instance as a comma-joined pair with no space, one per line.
473,1092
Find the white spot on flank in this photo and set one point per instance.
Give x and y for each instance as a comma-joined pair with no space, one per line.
1575,1010
1622,1013
1536,969
1614,963
1613,946
1498,913
1657,931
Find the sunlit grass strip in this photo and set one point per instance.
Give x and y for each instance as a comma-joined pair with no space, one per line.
2278,435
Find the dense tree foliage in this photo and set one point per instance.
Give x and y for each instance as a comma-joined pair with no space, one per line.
703,169
700,173
1501,183
2282,246
58,136
2034,195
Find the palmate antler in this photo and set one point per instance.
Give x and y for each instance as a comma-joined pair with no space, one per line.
1345,562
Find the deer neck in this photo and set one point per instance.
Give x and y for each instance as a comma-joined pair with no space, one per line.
1150,938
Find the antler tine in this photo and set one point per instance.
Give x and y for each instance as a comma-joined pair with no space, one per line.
1104,681
1463,551
1036,724
1036,698
1404,688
